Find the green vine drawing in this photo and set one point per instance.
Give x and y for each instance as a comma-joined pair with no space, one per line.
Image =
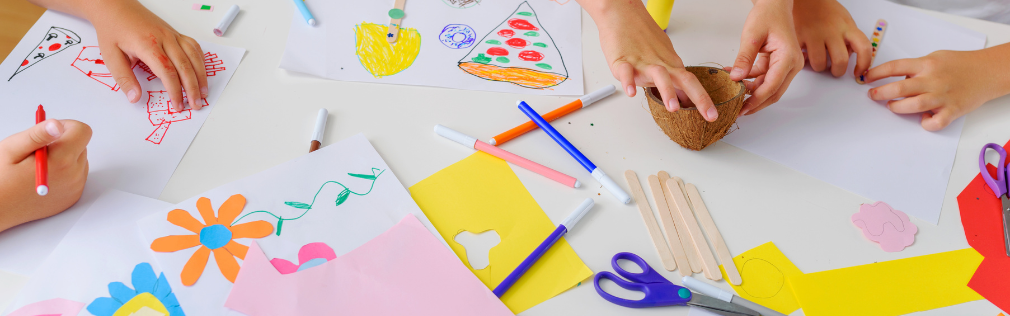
341,198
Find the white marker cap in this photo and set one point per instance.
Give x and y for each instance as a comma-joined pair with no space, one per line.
226,20
317,134
578,213
42,190
597,95
707,289
455,136
611,186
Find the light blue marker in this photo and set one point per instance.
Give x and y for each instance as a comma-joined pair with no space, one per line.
305,12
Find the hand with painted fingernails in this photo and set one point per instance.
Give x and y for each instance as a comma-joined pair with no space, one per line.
769,54
943,85
827,32
640,54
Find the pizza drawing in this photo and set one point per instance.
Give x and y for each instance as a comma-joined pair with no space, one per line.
90,62
161,115
55,41
518,51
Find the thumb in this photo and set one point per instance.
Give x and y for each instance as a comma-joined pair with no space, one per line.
750,45
19,146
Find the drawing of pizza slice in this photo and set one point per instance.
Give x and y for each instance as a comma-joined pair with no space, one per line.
519,51
55,41
90,62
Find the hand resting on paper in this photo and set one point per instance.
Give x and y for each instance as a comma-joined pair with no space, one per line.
769,53
826,30
128,32
943,85
641,54
68,170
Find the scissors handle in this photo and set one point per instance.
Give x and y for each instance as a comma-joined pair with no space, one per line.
999,185
658,290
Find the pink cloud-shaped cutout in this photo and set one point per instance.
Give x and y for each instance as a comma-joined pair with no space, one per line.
886,226
311,255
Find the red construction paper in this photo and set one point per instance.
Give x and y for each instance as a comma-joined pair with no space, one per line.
983,227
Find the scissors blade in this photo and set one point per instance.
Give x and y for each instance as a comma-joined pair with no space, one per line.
1006,223
719,306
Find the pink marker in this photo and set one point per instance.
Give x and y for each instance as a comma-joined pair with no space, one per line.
468,141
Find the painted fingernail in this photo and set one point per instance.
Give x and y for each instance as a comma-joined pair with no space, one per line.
203,92
630,90
712,114
53,129
132,96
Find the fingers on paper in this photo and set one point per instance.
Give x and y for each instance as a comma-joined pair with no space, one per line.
916,104
230,209
195,54
839,56
226,263
256,229
194,267
175,243
121,68
901,67
936,121
185,70
864,52
817,56
161,63
183,219
899,89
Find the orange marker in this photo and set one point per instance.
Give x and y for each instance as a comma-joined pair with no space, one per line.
41,160
582,102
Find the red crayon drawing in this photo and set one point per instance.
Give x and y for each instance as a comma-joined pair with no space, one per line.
161,115
90,62
140,64
212,63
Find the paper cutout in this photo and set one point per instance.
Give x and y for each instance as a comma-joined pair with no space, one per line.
53,307
89,61
983,228
380,57
478,247
341,198
518,51
215,234
56,40
150,295
882,224
894,287
480,193
310,255
766,273
404,271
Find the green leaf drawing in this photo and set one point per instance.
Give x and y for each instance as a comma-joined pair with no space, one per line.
532,33
363,176
544,66
342,197
493,42
280,223
481,58
298,205
502,59
524,13
540,44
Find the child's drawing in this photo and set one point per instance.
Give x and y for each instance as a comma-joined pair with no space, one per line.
380,57
457,36
55,41
519,51
90,62
212,64
161,114
150,295
140,64
310,255
461,4
216,234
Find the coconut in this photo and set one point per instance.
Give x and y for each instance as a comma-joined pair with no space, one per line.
686,126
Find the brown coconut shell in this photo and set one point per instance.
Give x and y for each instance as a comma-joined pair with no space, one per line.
686,126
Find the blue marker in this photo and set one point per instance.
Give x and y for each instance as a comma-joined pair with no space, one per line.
562,229
305,12
607,183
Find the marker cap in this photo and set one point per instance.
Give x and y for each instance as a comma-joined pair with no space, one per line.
455,136
597,95
611,186
579,212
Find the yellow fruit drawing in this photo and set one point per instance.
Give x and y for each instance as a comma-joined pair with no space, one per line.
380,57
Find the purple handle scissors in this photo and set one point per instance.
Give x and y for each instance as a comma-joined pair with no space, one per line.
998,187
659,291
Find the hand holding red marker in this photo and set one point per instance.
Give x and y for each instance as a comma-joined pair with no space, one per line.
41,160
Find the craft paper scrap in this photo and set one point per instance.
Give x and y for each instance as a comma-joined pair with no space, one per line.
52,307
515,46
481,193
895,287
983,228
310,255
827,128
404,271
342,195
886,226
766,273
103,265
134,147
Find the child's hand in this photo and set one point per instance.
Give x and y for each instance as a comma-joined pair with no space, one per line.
826,30
944,85
68,170
768,52
127,32
641,54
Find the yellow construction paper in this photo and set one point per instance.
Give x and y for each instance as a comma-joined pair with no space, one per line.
481,193
894,287
766,272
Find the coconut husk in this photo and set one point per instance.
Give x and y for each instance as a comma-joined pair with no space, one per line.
686,126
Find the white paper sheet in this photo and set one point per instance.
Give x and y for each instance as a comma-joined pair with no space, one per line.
122,154
103,247
828,128
328,49
343,227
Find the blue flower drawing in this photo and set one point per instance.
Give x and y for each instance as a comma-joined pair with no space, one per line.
150,295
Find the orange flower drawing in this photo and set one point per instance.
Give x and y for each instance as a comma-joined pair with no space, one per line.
215,235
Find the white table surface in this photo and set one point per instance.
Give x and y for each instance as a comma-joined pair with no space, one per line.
266,116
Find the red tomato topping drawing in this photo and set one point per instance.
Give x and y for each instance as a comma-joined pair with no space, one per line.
506,33
23,63
521,24
498,51
54,47
516,43
529,55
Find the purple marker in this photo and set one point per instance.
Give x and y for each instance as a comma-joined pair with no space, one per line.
544,246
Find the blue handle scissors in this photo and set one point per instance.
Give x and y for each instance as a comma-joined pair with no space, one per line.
659,291
998,187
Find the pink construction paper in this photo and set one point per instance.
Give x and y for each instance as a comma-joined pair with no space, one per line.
53,307
404,271
887,226
316,250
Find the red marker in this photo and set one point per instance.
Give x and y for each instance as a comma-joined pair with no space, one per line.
41,160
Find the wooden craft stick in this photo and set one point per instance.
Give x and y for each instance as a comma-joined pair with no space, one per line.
710,266
705,218
669,229
680,182
650,221
678,219
396,15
